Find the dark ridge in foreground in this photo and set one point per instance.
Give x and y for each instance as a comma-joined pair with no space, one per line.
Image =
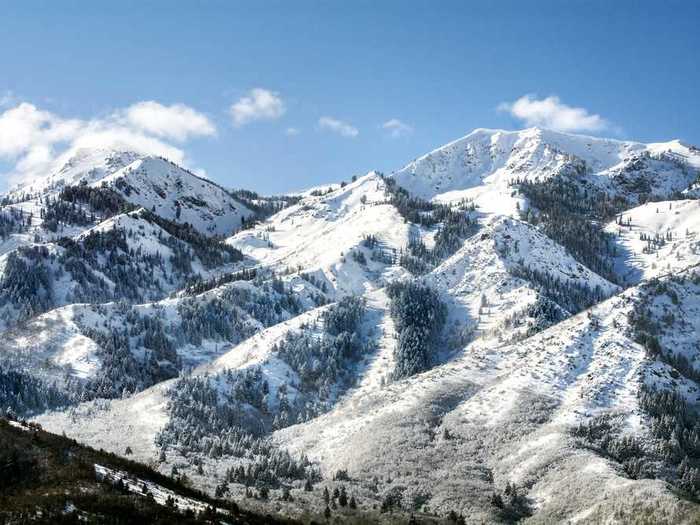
47,478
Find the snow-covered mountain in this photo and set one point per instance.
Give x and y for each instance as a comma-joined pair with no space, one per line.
178,195
504,329
152,183
482,166
82,166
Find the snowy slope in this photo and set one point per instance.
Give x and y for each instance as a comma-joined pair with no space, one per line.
83,166
140,417
320,232
128,256
490,292
519,402
160,494
151,403
68,343
481,165
457,433
176,194
676,225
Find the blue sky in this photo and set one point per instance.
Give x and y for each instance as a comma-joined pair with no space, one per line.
363,84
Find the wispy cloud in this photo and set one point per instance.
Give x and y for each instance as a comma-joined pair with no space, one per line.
552,113
258,104
292,132
177,122
397,128
35,141
338,126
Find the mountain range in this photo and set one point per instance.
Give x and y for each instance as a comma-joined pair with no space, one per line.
505,329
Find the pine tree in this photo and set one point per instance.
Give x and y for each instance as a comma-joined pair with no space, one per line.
220,490
497,500
286,494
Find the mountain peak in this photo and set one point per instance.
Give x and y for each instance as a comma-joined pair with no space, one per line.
80,165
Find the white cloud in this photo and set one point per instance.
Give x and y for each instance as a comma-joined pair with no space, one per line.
292,132
553,114
176,122
35,141
338,126
25,126
259,104
397,128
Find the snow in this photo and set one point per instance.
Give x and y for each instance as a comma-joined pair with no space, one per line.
579,368
504,394
678,311
84,165
488,157
151,182
684,152
479,282
161,186
18,425
144,414
160,494
680,219
78,355
318,234
138,419
257,351
482,165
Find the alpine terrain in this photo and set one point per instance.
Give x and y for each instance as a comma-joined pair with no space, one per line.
503,330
